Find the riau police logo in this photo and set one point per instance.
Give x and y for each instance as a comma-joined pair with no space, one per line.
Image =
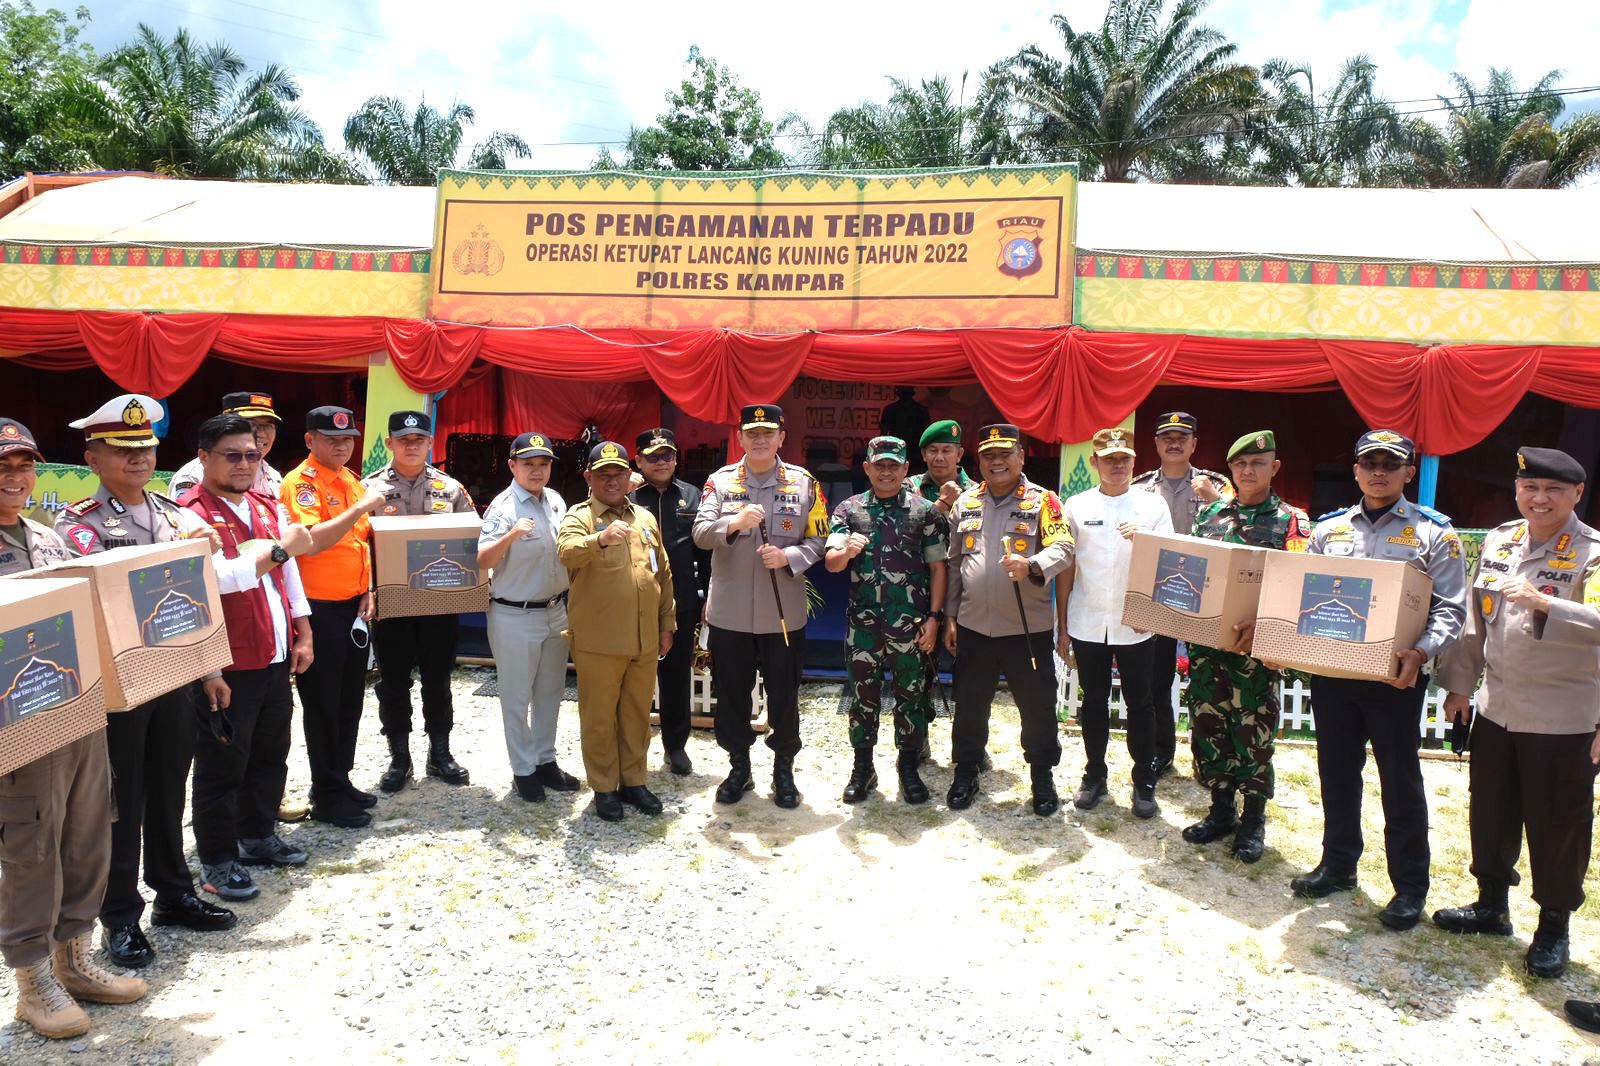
135,415
1020,236
611,451
478,254
411,422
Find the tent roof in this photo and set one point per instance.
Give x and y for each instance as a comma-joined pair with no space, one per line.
1455,225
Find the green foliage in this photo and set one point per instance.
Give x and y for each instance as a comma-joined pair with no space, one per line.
712,123
1499,136
40,58
405,147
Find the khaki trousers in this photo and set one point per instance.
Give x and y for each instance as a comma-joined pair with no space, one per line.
614,693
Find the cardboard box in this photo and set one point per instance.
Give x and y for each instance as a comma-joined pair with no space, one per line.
428,564
1340,617
159,617
1192,589
50,688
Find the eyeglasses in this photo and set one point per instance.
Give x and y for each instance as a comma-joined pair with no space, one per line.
235,458
659,457
1374,464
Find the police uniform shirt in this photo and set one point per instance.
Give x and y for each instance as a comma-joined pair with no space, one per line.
1408,533
1543,672
1094,610
431,492
621,598
1028,521
1182,503
740,597
268,481
674,509
531,569
102,522
29,546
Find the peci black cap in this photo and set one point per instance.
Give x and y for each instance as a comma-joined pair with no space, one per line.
532,446
16,437
654,440
607,453
1386,440
1550,463
1176,422
410,424
760,416
332,422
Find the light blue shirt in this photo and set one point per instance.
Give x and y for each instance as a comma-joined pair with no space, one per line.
531,570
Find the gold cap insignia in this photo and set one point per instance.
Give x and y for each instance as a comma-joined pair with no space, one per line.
1385,437
536,441
1261,440
134,414
1522,461
610,451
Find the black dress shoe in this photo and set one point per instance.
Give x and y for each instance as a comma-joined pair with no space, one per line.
1475,917
127,947
351,817
396,776
192,912
1585,1014
1322,882
608,805
1045,799
640,798
1548,955
1091,790
1402,913
678,762
555,778
964,788
364,800
443,765
528,787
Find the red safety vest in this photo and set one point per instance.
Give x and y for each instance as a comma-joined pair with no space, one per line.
247,614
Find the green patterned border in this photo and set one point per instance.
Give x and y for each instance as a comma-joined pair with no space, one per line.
1579,278
732,181
262,257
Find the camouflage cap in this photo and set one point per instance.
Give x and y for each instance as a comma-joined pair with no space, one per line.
886,448
1253,444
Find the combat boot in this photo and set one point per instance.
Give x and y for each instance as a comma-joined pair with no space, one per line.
912,788
45,1005
863,777
1489,913
1046,801
442,764
784,792
399,771
1251,839
1218,822
85,979
738,781
1549,952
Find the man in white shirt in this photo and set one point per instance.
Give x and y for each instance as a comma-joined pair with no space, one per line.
257,409
242,749
1103,520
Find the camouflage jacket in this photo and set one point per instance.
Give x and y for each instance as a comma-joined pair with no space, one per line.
890,581
1268,524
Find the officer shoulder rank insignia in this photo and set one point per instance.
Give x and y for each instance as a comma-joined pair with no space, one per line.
83,507
1562,542
310,472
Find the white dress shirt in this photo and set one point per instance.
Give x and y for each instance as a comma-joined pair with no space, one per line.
239,575
1094,610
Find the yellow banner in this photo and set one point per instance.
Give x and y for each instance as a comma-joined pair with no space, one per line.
774,252
63,484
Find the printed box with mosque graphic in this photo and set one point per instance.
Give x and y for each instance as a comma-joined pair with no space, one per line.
51,692
428,565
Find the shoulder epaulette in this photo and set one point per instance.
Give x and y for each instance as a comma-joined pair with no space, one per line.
1437,516
1146,477
1335,513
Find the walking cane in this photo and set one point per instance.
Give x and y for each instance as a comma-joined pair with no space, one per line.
1016,590
773,574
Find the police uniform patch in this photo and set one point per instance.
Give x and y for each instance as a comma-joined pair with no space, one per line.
787,525
84,537
1486,604
970,541
1019,545
439,505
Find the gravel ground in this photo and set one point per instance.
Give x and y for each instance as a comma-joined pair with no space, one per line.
468,926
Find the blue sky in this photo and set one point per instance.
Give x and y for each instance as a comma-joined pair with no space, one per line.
567,75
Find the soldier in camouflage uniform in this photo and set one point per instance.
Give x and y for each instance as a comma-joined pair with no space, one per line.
897,544
1232,698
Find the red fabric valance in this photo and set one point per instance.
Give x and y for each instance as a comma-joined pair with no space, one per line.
1057,384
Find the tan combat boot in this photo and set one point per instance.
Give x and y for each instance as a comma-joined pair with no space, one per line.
45,1005
86,979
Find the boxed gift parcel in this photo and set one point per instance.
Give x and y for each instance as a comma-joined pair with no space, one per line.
428,564
50,690
1192,589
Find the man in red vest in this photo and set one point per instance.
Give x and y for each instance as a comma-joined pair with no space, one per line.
242,753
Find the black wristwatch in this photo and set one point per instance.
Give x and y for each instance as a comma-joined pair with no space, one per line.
937,616
279,554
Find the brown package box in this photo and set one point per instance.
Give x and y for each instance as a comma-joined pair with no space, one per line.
1340,617
1192,589
159,617
428,564
50,688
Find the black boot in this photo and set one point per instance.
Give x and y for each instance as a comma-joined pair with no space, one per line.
912,790
1046,801
399,771
1550,950
863,777
784,792
442,764
1489,913
1218,822
964,787
738,781
1251,839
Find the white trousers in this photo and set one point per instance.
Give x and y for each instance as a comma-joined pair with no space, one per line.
530,657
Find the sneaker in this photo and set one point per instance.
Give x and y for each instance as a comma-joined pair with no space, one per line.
229,880
270,851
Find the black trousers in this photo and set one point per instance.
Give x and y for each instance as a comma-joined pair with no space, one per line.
151,748
428,646
1163,669
238,785
1542,783
1094,712
735,658
673,681
980,662
332,690
1348,715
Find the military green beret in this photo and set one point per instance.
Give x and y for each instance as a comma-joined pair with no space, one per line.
947,431
1253,444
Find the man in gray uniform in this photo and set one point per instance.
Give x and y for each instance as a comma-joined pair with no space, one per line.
527,612
764,522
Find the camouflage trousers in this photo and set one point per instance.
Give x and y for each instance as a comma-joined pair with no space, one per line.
874,648
1233,720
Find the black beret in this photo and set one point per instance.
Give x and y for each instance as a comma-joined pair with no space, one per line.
1550,463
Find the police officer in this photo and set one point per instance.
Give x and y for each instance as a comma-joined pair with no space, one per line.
764,522
151,745
673,503
1185,488
1533,619
527,613
52,879
620,625
255,408
1233,699
327,497
895,548
1383,525
411,485
1007,534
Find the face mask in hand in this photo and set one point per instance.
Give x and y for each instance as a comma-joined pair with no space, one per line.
359,635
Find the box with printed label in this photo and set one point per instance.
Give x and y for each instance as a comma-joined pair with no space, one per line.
1339,616
1192,589
51,693
159,617
428,564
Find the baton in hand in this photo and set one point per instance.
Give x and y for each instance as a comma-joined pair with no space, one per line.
1022,613
773,574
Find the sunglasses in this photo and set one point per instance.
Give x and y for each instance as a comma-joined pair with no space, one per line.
1373,464
659,457
235,458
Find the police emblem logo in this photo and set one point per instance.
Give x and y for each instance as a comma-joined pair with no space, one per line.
994,432
478,254
10,432
341,420
761,413
1020,236
411,422
659,442
1522,461
536,441
1385,437
134,414
1548,590
1019,545
610,451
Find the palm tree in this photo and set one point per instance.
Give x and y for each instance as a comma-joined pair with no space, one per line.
1499,136
1138,83
197,111
410,148
1347,136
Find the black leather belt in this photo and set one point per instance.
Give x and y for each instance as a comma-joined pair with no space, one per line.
530,605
